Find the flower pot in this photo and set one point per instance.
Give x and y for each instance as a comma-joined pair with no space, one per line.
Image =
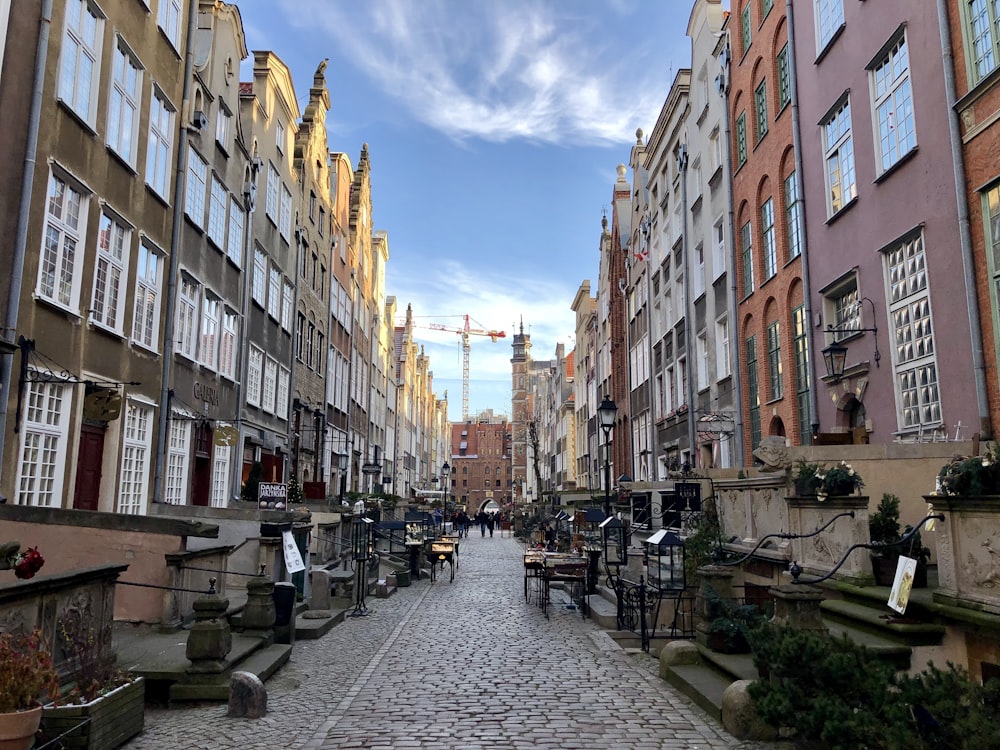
114,718
17,729
884,570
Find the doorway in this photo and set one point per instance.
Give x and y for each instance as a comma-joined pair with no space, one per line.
90,456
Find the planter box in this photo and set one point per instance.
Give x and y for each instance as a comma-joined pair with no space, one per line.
114,719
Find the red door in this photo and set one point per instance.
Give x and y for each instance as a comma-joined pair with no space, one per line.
88,468
201,486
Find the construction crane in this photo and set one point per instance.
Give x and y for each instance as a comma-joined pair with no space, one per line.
465,333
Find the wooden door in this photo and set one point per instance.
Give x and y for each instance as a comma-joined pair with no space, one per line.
87,492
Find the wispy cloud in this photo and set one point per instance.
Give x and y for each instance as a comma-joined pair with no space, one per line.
499,71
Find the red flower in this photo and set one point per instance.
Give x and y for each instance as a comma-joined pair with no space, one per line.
27,562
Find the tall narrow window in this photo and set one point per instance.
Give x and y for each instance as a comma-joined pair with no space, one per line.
793,217
274,292
800,346
769,248
59,266
893,102
234,242
146,317
774,360
722,364
80,62
829,18
271,199
187,318
227,344
107,306
760,108
287,297
123,103
285,214
270,384
741,139
701,350
914,353
281,397
784,78
746,256
178,460
217,213
753,391
745,28
258,290
43,444
211,320
839,156
168,17
223,126
133,482
255,372
197,187
983,29
160,145
219,496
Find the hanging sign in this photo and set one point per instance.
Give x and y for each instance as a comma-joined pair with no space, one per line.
103,405
899,595
272,495
293,559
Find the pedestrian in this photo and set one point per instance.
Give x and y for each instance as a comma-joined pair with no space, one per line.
481,520
490,522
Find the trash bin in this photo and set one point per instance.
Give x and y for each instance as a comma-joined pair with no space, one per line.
284,603
402,578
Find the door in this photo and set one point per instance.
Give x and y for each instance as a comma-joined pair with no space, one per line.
87,492
201,484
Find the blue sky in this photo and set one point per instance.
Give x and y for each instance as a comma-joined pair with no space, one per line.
494,129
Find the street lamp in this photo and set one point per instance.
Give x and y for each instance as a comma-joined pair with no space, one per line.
606,413
446,488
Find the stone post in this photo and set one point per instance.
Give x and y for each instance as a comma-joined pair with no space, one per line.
719,579
210,639
798,606
259,613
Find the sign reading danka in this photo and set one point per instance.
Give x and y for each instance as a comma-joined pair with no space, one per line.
272,495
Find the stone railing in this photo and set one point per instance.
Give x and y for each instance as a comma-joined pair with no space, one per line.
968,552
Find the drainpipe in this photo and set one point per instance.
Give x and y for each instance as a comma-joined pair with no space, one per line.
23,215
807,287
175,249
734,328
682,167
964,234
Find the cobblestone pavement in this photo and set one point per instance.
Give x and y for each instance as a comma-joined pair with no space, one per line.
466,665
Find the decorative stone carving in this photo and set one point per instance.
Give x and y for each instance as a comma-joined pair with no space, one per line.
773,454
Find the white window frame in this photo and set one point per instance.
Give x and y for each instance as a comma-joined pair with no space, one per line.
60,263
80,63
746,258
285,214
217,202
188,320
178,461
981,19
107,301
168,18
255,372
287,301
838,158
269,385
271,197
274,280
722,356
124,100
794,229
195,193
701,346
223,127
829,17
221,462
281,396
718,248
769,248
146,308
258,288
160,147
133,479
234,239
211,331
228,346
279,136
895,134
44,435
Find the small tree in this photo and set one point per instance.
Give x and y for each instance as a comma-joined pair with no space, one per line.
252,485
295,494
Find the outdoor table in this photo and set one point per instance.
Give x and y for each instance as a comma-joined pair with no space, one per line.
543,568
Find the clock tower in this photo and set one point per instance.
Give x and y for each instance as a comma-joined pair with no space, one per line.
521,410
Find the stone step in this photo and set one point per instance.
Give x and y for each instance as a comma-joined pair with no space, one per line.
702,684
316,623
882,622
263,663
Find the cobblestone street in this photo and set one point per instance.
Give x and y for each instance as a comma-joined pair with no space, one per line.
463,664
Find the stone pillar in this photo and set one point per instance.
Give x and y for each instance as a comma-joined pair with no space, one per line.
209,640
717,578
319,585
798,606
259,613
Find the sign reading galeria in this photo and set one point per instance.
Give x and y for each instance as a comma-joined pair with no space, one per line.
272,495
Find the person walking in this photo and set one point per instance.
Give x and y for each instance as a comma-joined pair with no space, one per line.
490,522
481,520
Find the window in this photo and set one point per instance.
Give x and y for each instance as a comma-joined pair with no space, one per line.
718,249
259,275
918,401
223,126
765,7
699,269
784,78
123,103
211,319
701,350
279,136
753,391
746,255
177,461
270,384
312,206
846,310
107,306
320,225
219,497
255,371
829,19
793,217
839,155
187,317
168,18
285,215
300,325
774,359
274,292
767,239
133,484
991,214
722,348
217,213
800,346
197,185
983,28
234,243
271,199
43,444
310,345
745,35
741,139
59,269
714,152
760,108
80,65
146,317
890,80
227,345
160,146
287,297
281,398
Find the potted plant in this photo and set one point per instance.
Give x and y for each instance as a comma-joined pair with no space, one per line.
971,476
806,483
104,705
730,624
884,533
841,480
24,562
27,678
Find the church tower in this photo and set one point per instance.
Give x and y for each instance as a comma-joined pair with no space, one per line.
521,410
